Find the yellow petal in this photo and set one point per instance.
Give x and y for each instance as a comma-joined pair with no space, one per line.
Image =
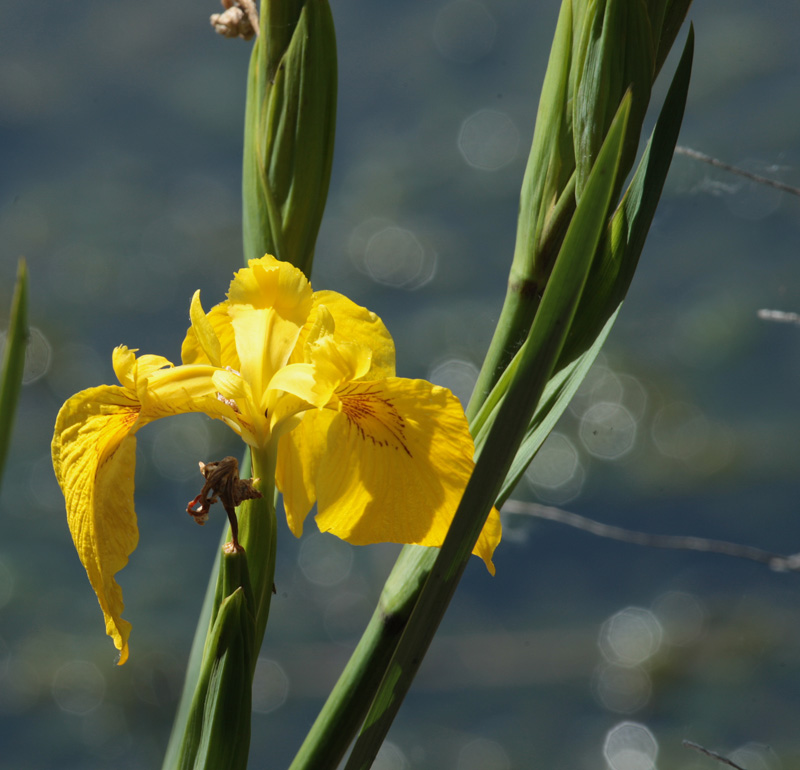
299,454
204,331
392,466
330,365
181,390
192,351
94,460
358,325
269,303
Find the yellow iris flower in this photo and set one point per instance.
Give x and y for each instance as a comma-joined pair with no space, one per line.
306,375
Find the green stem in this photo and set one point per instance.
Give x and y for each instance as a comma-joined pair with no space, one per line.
257,535
214,712
13,361
349,701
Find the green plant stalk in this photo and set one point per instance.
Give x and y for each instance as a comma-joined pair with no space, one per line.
13,361
611,273
345,710
329,737
543,182
537,358
236,637
218,727
290,121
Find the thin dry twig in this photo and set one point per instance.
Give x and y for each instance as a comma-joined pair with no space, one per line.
765,180
776,562
712,754
782,316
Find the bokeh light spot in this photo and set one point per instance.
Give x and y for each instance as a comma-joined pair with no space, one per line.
458,376
464,31
390,757
325,560
488,140
270,686
630,746
556,474
78,687
622,689
607,431
682,617
391,255
38,355
630,637
483,754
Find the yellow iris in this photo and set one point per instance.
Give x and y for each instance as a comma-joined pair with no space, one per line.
307,375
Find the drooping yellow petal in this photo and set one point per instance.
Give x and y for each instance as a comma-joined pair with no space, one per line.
269,303
94,460
392,466
299,455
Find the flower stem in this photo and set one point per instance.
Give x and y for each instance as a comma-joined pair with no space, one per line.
213,718
257,534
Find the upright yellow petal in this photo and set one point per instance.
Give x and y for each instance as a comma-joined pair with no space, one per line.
354,324
192,351
392,466
94,460
269,303
204,331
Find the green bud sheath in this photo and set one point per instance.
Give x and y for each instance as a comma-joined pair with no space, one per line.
602,76
218,729
289,130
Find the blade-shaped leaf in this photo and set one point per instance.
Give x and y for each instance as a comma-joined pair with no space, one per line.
13,361
612,275
537,358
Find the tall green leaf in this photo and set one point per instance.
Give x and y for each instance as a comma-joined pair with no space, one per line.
13,361
533,366
612,271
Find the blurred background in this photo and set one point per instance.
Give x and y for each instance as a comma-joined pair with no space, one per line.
120,144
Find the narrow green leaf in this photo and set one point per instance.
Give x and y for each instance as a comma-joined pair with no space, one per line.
624,240
537,358
555,399
674,15
550,164
347,705
16,344
612,274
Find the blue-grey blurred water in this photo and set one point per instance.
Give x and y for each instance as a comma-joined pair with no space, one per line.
120,141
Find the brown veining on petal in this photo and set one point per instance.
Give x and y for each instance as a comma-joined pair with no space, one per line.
375,417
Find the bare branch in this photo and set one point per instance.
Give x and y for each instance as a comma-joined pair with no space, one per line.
774,561
701,156
781,316
712,754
